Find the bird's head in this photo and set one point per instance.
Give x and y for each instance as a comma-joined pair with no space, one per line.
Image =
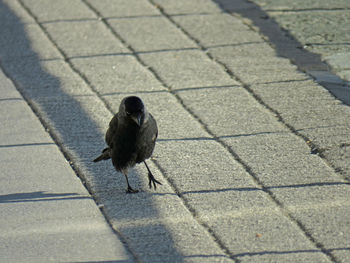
133,108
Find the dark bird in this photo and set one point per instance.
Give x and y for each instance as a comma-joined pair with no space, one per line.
131,138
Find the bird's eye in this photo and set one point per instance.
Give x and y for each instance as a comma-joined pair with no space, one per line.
128,113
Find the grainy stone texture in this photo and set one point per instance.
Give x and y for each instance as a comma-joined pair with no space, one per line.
252,153
46,213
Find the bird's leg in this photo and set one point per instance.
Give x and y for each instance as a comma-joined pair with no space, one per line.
129,190
151,178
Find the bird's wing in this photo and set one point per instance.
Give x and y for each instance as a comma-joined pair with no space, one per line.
113,125
153,127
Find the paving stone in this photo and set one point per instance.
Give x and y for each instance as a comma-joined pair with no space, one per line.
217,29
201,167
316,115
326,77
214,204
331,227
316,27
339,60
345,74
122,8
151,34
51,246
7,93
265,236
237,6
159,214
51,10
230,112
195,69
117,75
247,52
339,157
285,160
255,66
300,5
12,13
311,29
188,7
174,241
86,39
7,135
47,214
208,200
22,40
309,195
52,78
329,49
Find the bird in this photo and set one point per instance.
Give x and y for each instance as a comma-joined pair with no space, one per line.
131,138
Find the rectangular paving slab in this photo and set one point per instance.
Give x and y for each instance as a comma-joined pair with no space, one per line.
239,182
47,214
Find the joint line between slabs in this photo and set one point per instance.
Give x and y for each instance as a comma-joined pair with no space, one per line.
60,145
210,231
307,140
172,92
191,210
260,101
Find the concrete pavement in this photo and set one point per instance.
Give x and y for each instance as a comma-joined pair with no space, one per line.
47,215
253,153
313,35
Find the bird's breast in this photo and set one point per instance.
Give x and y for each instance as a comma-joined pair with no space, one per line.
124,151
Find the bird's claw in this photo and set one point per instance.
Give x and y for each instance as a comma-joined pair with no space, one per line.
153,181
131,190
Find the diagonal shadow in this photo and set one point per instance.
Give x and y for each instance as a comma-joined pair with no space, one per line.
249,189
26,144
220,137
285,44
101,261
78,136
39,196
271,252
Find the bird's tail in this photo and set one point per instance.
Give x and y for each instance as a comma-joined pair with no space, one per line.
106,154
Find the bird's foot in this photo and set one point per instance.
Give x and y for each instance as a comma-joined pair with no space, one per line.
131,190
153,181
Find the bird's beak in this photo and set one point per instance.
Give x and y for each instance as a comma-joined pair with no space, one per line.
138,119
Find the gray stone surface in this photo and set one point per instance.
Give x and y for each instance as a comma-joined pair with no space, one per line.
217,29
319,31
194,67
275,5
187,7
253,154
261,230
241,117
14,36
121,8
88,32
150,34
339,61
126,72
263,68
344,74
320,27
46,213
51,10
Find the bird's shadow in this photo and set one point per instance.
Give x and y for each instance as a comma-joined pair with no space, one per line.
40,196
